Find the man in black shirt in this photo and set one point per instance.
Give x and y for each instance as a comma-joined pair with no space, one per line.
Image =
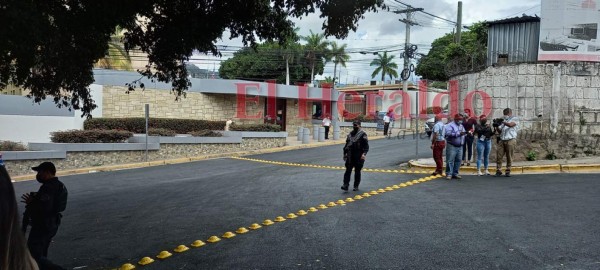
355,153
43,212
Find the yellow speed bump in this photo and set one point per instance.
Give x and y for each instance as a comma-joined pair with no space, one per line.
373,192
146,261
242,230
331,204
228,235
313,209
349,200
389,188
280,219
164,254
415,181
291,216
268,222
181,248
409,183
402,185
213,239
340,202
322,206
366,195
255,226
402,171
395,187
358,197
301,213
127,266
381,190
198,243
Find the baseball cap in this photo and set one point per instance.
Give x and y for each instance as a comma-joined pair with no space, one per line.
45,166
356,122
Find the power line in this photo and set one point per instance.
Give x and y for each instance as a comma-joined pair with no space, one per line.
425,12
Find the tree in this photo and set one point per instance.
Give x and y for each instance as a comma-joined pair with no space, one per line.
338,55
267,62
117,57
385,65
316,49
447,58
49,47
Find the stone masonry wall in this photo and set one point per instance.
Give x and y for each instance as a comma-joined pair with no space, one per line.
528,90
217,107
167,151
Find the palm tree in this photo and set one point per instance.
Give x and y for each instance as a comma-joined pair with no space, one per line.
384,65
338,55
117,57
316,47
289,52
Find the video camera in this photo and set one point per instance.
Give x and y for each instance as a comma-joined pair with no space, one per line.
497,122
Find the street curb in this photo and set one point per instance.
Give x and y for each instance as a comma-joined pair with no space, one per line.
138,165
534,169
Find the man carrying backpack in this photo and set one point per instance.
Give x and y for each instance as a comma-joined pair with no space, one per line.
43,212
355,153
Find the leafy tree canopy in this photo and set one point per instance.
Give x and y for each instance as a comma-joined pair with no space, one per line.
267,62
50,47
446,57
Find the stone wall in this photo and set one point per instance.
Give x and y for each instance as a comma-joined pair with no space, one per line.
217,107
167,151
547,95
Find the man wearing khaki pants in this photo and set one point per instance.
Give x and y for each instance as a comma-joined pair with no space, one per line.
508,141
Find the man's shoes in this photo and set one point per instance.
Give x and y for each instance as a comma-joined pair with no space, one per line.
457,177
448,177
355,189
435,173
507,174
487,172
479,173
498,173
345,188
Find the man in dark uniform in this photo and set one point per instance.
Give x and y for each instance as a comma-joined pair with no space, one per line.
43,212
355,153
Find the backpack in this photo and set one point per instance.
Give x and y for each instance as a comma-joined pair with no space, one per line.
61,199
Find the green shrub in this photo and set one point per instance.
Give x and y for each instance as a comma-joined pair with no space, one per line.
12,146
138,125
531,155
551,156
90,136
206,133
255,127
161,132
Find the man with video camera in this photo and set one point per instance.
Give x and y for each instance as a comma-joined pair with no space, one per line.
507,128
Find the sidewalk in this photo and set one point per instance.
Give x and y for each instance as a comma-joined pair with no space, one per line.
575,165
291,144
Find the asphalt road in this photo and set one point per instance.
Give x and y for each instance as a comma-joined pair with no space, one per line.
523,222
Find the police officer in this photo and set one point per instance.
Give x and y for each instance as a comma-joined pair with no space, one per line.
43,211
355,153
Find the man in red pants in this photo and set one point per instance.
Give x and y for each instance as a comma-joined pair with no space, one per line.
438,143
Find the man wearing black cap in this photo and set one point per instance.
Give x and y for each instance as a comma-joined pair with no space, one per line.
43,211
355,153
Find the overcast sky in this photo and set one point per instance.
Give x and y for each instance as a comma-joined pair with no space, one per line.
382,30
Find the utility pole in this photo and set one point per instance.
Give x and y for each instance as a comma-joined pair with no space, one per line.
408,22
458,22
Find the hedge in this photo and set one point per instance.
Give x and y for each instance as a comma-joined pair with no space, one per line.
12,146
255,127
206,133
90,136
161,132
138,125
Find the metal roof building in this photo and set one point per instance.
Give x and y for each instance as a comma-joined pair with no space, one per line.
513,40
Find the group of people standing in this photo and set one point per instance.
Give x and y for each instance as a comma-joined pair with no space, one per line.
458,136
